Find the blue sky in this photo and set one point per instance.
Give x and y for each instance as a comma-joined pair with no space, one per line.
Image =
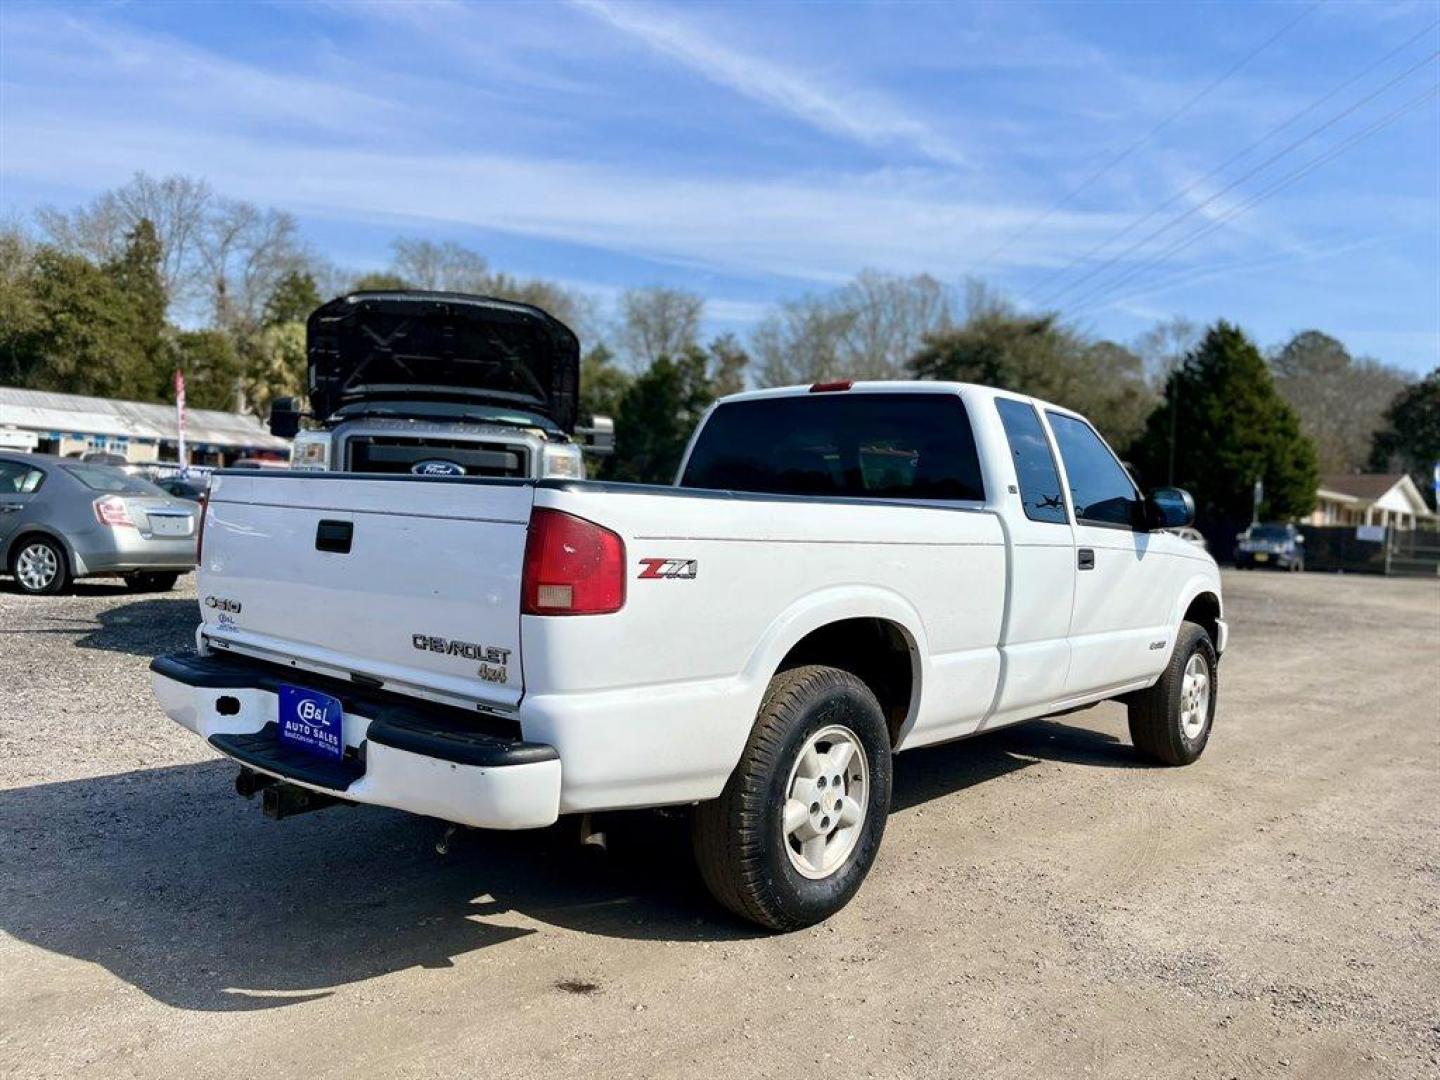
754,152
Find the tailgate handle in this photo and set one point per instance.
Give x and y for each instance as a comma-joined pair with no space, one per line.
334,536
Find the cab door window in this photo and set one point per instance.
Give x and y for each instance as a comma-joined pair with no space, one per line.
1100,488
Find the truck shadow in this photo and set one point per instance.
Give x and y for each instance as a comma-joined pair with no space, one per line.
175,885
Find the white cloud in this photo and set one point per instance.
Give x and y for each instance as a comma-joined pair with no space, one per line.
858,114
819,228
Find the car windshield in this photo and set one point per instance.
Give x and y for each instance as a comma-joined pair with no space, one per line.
1269,532
104,478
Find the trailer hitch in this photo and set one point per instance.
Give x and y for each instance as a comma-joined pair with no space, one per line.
281,800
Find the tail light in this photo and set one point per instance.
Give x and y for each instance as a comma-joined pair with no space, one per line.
831,387
572,567
111,510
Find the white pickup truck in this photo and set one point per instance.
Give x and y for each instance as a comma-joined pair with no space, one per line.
841,572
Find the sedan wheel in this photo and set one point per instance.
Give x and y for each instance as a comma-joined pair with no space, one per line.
39,567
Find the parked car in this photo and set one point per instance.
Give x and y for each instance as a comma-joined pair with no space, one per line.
842,572
62,519
1277,545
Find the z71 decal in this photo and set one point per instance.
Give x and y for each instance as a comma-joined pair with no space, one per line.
671,569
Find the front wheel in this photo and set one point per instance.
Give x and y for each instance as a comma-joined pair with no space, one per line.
1171,721
792,836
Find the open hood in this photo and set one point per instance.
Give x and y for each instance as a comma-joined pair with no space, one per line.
441,346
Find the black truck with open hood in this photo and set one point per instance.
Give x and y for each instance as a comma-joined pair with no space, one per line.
437,383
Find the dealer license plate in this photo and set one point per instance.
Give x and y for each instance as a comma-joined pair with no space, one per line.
1262,556
312,721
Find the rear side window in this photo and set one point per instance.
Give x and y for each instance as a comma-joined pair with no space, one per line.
1034,464
105,478
1100,488
878,446
18,479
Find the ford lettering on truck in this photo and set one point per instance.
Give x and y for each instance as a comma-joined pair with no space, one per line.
887,566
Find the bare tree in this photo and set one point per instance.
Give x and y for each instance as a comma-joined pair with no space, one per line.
176,205
1340,400
868,329
449,266
803,341
1163,347
245,252
658,321
452,267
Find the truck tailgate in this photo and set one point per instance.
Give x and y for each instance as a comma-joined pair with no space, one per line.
414,582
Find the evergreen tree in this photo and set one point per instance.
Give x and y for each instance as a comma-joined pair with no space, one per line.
295,297
212,368
602,384
1041,356
1230,428
656,417
1410,439
141,297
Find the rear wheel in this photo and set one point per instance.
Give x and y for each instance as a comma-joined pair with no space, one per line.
38,564
793,835
151,581
1170,722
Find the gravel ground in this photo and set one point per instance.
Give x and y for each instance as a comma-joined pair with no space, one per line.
1043,904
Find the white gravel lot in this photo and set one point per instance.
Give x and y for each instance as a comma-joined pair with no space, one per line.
1043,905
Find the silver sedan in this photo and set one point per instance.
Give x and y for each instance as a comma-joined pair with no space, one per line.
61,519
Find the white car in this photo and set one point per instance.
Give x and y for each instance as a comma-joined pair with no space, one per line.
841,572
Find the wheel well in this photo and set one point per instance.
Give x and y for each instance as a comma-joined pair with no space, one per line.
876,651
1204,611
17,542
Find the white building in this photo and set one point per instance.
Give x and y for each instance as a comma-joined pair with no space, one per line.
1371,499
139,431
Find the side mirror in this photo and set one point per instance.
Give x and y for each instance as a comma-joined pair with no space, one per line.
284,417
1169,508
599,438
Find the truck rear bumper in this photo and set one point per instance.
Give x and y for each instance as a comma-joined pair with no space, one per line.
425,761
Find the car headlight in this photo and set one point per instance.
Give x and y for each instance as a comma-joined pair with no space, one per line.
311,451
562,460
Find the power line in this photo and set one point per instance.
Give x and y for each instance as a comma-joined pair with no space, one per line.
1027,228
1090,300
1230,161
1232,185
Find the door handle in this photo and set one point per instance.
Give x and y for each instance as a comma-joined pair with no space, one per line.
334,536
1086,558
9,508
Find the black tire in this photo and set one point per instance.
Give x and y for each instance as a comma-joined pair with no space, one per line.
59,583
151,581
739,840
1155,714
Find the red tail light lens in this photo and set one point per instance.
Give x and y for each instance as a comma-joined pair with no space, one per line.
572,567
831,387
110,510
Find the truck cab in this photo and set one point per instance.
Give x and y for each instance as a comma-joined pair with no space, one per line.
436,384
